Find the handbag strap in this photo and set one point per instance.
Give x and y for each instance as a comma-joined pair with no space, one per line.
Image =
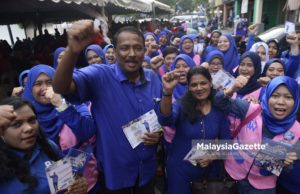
245,121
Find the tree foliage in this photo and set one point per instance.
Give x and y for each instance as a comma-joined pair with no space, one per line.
190,5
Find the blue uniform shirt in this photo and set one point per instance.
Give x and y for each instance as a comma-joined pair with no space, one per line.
115,102
37,169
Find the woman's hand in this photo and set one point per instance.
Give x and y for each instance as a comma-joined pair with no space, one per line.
290,158
252,30
152,138
80,186
55,99
170,80
156,62
17,91
264,81
204,162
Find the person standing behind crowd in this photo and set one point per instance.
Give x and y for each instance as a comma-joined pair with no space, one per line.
187,47
110,54
125,84
94,55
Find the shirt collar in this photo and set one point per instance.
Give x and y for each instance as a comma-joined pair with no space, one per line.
144,76
22,154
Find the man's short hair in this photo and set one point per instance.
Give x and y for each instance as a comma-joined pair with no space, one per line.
131,29
170,50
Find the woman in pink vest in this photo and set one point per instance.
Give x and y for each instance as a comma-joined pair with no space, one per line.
274,119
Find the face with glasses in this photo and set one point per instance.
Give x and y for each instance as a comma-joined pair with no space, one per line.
130,52
215,65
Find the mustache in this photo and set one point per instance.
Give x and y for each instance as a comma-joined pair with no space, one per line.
131,60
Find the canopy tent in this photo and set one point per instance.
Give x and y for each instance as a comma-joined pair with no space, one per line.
19,11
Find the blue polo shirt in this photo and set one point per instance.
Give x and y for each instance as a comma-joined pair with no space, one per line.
115,102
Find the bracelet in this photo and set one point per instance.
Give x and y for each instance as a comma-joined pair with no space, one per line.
64,105
166,94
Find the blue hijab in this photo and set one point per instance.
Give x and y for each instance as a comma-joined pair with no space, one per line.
156,40
56,54
274,125
22,75
46,113
268,63
252,84
97,49
180,89
105,50
214,54
188,36
231,56
163,33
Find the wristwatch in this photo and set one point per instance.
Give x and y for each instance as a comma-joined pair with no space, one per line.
63,106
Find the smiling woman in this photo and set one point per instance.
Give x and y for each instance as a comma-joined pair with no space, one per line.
24,151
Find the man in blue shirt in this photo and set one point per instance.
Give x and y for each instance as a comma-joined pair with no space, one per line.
119,93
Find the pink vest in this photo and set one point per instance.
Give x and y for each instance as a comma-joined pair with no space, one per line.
67,140
234,122
197,60
252,133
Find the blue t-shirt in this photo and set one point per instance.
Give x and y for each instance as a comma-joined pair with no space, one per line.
115,102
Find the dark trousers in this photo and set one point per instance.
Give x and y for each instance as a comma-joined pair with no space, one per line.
145,189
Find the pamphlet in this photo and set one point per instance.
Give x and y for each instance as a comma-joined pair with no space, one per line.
60,176
135,129
272,157
222,80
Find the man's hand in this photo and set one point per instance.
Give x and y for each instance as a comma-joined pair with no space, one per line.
151,138
81,34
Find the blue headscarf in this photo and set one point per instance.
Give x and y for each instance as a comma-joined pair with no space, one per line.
105,50
56,54
252,84
180,89
213,54
147,59
97,49
156,40
268,63
163,33
274,125
188,36
22,75
46,113
231,56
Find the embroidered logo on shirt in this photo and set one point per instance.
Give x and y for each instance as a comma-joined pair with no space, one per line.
252,125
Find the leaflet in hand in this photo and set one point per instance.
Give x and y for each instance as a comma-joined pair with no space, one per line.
272,158
222,80
196,154
60,176
135,129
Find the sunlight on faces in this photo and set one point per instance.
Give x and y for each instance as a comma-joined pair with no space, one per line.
223,43
215,65
182,68
130,52
261,53
40,85
93,58
272,50
200,87
187,45
246,67
23,130
281,102
110,55
169,59
275,70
